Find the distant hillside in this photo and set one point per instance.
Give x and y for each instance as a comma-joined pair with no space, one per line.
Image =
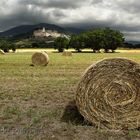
133,42
27,30
74,30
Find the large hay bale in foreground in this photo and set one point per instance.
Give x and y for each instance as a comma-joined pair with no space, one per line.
67,53
40,59
2,52
108,94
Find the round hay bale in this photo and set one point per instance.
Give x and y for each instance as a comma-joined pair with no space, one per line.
2,52
40,59
108,94
67,53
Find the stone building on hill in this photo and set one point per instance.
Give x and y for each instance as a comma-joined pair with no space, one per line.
46,33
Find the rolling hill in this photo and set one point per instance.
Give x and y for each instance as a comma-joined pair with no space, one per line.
27,30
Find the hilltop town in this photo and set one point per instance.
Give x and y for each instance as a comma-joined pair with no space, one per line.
47,33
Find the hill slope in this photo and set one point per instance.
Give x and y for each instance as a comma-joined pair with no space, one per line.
27,30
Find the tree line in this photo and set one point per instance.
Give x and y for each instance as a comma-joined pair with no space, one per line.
96,40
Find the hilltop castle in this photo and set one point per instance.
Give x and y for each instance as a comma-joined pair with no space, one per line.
46,33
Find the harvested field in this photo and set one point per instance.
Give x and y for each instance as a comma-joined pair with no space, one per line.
36,102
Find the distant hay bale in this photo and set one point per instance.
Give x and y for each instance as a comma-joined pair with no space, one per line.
108,94
40,59
67,53
2,52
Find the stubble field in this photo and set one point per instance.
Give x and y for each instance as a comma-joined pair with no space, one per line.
37,102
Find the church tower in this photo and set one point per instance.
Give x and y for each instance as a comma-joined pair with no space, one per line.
43,30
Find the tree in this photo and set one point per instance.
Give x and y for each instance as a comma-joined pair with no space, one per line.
7,44
95,40
12,46
77,42
113,39
61,43
4,45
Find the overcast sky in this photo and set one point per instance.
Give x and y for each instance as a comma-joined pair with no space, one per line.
120,14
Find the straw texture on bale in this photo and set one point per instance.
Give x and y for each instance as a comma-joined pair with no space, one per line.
108,94
40,59
2,52
67,53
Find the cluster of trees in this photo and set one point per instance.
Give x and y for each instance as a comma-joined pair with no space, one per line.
96,40
7,44
35,43
41,42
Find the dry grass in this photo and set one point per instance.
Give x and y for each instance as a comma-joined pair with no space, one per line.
33,99
2,52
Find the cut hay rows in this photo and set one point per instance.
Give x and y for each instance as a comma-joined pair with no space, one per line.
67,53
2,52
108,94
40,59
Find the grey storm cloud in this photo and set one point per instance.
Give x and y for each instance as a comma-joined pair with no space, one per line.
96,1
62,4
119,14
